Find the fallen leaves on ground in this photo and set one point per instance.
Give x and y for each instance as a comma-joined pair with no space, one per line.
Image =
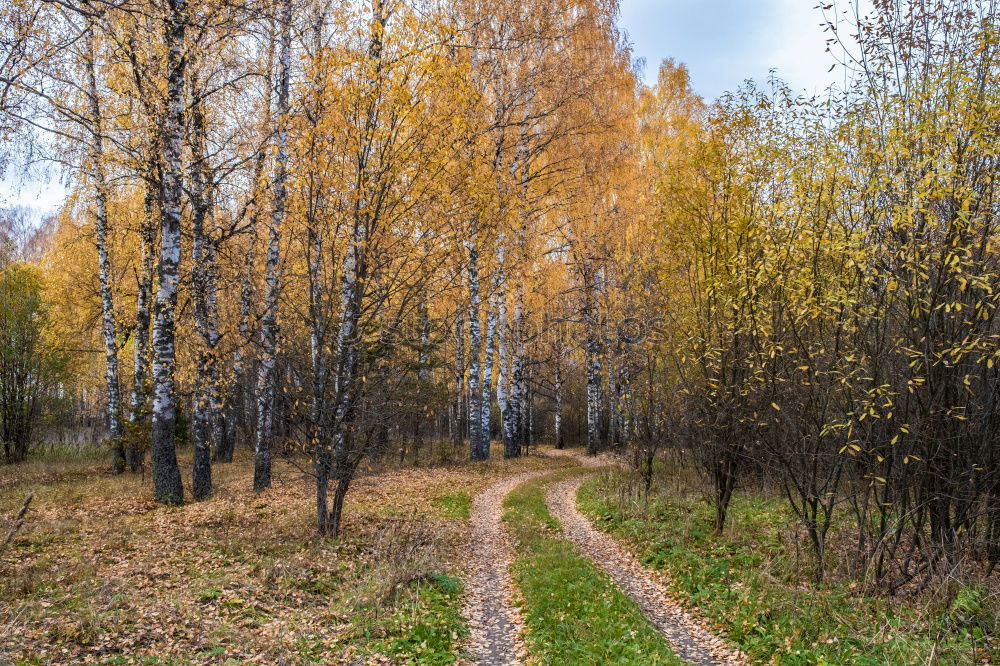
101,574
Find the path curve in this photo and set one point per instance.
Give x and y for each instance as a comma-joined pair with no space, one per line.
584,460
494,621
689,638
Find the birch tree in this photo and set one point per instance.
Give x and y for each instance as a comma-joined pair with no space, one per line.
166,473
101,223
269,323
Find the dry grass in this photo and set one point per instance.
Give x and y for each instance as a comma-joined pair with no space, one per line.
101,574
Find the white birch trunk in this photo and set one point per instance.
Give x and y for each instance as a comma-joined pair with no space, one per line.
166,474
475,350
489,370
266,379
504,333
108,328
206,417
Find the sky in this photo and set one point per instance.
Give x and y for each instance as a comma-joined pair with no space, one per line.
40,190
724,42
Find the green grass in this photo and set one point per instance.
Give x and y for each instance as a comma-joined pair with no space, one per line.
754,583
424,627
456,505
574,613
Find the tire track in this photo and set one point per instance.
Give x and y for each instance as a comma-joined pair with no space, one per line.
688,637
494,621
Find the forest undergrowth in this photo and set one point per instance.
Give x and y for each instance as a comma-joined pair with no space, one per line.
753,581
102,574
